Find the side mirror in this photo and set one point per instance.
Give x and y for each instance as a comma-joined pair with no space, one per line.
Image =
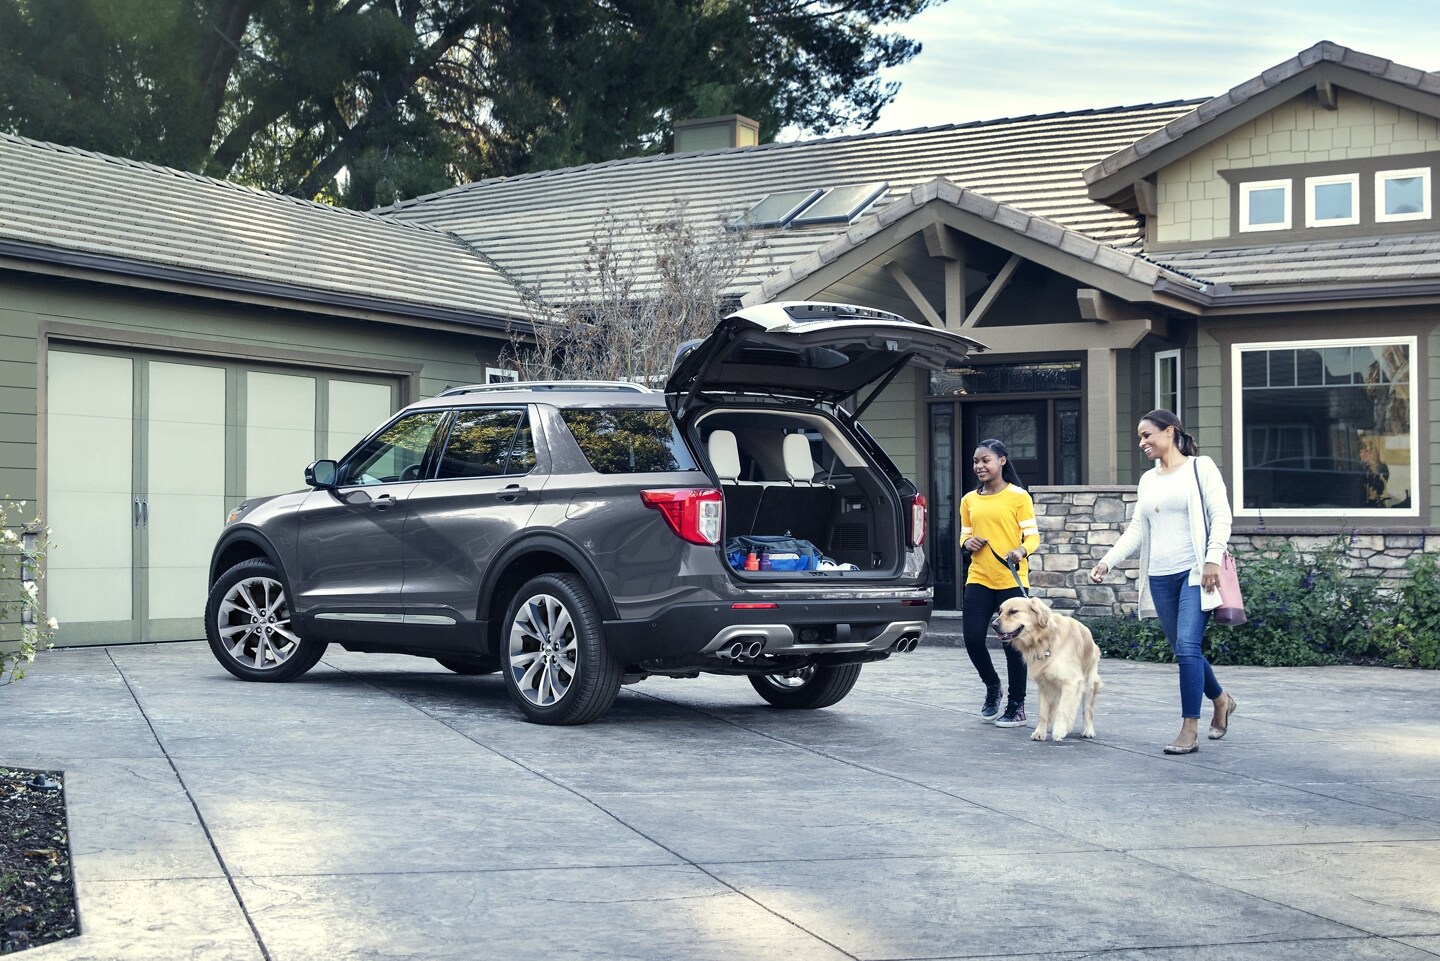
322,474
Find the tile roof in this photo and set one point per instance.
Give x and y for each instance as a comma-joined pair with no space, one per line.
1357,260
62,201
536,226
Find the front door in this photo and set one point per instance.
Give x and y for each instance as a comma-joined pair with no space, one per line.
1043,437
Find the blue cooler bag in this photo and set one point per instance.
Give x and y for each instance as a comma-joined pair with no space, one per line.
786,553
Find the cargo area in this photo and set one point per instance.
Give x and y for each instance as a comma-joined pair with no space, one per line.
798,475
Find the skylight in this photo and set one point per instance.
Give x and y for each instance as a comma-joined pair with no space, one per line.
775,210
840,205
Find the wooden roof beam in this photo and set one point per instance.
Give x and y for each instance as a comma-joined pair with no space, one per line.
992,292
913,292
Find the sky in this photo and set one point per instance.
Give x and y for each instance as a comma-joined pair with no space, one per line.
987,59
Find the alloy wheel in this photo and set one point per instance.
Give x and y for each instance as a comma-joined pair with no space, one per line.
254,624
543,650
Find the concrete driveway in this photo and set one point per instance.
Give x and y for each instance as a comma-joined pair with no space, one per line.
381,807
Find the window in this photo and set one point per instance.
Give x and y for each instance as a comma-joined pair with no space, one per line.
1167,382
1332,201
840,205
1402,195
1265,205
488,443
1324,428
776,210
1061,376
499,375
394,454
629,441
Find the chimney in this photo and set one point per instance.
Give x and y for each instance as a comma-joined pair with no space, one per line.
716,133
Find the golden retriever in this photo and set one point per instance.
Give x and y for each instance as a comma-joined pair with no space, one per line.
1062,657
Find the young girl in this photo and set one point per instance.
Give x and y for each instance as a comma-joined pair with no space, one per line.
1177,561
997,520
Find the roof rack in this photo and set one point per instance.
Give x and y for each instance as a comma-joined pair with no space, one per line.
575,385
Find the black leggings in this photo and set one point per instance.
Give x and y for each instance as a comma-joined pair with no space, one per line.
979,609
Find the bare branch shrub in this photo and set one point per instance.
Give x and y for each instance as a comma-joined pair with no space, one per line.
637,295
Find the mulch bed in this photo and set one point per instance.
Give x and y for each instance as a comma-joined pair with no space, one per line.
37,888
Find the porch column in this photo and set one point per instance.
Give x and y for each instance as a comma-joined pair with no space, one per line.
1101,412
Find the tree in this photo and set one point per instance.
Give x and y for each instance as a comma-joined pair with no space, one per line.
369,101
627,309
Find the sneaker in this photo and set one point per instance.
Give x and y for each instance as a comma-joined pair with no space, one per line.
991,710
1014,715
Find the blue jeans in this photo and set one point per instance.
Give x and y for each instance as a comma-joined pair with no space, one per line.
1177,603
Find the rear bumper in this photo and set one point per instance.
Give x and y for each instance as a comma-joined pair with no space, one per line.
703,630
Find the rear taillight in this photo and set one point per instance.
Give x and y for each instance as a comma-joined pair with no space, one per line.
692,513
916,535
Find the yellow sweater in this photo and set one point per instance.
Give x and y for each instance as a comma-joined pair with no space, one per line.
1007,519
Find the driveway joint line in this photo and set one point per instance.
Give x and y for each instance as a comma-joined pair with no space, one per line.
199,816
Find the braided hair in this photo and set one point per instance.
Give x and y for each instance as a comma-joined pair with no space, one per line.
1008,473
1165,419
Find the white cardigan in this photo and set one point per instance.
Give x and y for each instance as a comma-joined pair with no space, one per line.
1137,532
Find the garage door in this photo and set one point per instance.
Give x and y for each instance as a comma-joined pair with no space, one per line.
144,458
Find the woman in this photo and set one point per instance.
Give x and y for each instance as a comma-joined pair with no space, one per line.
1177,561
997,520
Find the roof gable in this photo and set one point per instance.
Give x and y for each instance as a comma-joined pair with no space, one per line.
1323,64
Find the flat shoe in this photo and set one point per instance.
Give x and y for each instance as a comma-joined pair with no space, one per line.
1217,731
1178,749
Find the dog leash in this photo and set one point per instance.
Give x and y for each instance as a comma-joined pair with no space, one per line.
1014,570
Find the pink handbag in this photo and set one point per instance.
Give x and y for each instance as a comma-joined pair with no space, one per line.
1231,611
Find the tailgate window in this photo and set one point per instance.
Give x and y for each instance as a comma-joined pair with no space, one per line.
629,441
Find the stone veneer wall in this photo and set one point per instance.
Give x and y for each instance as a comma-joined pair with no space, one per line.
1079,524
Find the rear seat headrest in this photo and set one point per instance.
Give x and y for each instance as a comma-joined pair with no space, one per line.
724,455
798,465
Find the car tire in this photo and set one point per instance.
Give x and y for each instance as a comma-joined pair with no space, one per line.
557,666
247,622
819,685
470,666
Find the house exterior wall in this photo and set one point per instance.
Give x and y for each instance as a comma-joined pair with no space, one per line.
892,422
39,314
1193,202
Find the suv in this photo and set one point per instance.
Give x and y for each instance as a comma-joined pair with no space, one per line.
581,536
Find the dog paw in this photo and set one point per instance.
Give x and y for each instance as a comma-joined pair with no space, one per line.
1088,732
1038,736
1058,738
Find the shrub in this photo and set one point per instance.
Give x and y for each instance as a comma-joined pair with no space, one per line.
1308,608
1411,638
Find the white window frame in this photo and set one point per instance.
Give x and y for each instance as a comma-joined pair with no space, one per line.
1237,431
1381,176
1312,182
1246,189
501,375
1161,357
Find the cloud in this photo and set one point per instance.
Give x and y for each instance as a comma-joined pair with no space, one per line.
986,59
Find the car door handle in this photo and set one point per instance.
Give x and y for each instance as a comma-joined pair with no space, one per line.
513,492
384,502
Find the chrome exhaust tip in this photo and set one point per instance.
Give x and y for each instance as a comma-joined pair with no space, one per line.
754,648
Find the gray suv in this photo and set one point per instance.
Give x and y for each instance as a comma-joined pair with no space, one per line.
577,537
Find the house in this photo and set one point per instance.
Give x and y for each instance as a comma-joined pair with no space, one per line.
1263,262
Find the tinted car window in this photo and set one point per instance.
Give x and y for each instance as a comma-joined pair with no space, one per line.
629,441
394,454
487,443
